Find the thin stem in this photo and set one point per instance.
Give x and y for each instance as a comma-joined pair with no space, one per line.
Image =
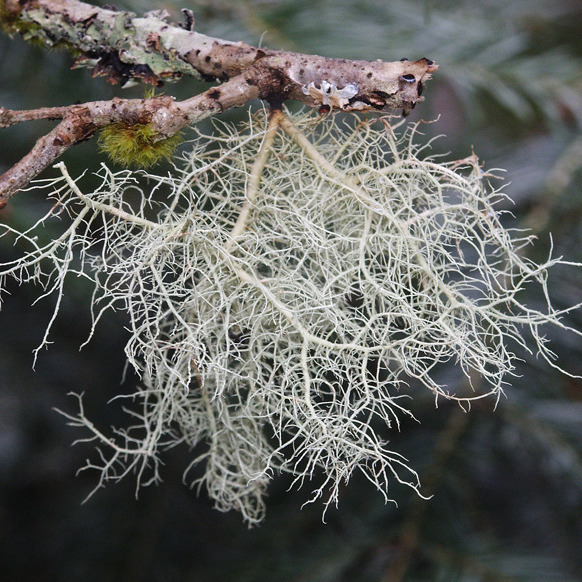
103,207
410,535
255,176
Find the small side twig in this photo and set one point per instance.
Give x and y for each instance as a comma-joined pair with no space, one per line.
80,122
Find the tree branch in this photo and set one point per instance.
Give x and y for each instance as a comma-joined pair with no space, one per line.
126,47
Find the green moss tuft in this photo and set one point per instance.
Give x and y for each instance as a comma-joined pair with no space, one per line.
8,22
32,32
136,145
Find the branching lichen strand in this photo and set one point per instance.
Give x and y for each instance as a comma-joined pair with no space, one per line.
300,274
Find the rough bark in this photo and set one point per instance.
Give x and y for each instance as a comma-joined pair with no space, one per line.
125,47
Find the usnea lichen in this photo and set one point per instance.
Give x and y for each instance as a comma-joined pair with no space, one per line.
299,277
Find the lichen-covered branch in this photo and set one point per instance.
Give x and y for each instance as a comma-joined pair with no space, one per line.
125,47
163,115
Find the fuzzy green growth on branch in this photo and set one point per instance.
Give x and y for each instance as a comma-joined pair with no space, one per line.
32,32
8,21
138,145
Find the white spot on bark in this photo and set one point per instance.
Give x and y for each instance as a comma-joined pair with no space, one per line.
330,94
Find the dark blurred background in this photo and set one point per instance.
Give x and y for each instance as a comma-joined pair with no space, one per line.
507,480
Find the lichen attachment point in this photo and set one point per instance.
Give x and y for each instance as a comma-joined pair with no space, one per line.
138,145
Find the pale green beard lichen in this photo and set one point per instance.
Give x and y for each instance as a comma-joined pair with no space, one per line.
295,281
138,145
